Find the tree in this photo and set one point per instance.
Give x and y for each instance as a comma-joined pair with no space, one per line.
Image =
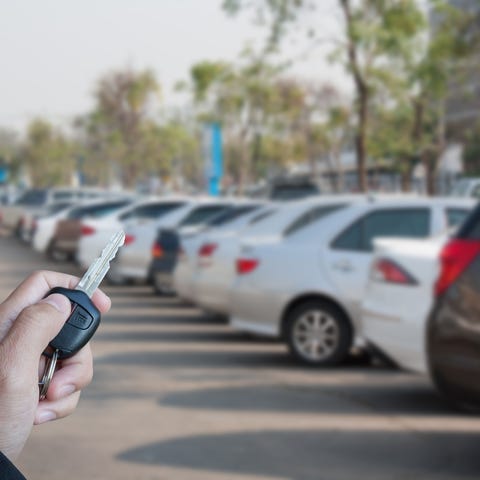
125,103
48,155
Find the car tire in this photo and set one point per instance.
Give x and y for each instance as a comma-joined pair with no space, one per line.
318,333
115,279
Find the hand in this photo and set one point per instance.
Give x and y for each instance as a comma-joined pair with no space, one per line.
28,322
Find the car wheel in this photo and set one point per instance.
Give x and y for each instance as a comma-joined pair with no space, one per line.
318,333
114,278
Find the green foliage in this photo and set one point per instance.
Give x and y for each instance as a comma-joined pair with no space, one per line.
48,155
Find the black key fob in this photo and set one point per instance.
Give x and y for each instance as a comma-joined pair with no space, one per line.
80,326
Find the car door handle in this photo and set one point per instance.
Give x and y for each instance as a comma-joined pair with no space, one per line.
343,266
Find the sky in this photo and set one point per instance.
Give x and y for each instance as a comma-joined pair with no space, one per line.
52,52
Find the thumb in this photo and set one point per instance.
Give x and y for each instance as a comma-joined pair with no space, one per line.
35,327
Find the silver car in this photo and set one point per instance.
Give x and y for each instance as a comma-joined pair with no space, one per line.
307,284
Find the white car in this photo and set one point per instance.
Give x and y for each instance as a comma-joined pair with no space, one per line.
306,285
45,225
95,232
398,298
133,259
207,254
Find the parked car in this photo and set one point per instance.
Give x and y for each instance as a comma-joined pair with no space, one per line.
466,187
64,242
306,285
95,232
215,272
174,252
36,199
133,260
453,333
29,219
398,298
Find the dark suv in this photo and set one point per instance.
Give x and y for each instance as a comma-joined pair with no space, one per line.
453,328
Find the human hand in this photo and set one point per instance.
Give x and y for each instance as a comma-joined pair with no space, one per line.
28,322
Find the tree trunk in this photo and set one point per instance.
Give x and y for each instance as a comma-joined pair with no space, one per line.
362,96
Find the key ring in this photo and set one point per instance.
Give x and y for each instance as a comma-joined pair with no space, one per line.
48,374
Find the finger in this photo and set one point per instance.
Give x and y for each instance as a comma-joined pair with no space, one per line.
34,288
33,329
49,410
74,375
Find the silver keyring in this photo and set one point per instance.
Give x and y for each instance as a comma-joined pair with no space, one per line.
48,374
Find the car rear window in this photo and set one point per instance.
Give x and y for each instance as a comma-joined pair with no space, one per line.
262,216
470,229
231,214
293,192
34,196
96,211
202,214
456,216
151,211
359,236
311,216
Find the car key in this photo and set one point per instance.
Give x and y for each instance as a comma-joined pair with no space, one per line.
85,317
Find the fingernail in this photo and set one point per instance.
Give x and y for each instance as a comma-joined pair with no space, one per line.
66,390
59,302
46,416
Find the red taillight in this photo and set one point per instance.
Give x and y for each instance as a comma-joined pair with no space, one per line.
87,230
385,270
205,253
157,250
454,259
246,265
129,239
207,249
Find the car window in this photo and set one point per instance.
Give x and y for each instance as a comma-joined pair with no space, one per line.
231,214
96,211
201,215
476,192
151,211
309,217
456,216
33,197
293,192
65,195
262,216
414,223
57,207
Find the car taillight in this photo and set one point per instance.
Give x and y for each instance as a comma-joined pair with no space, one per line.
207,249
455,257
386,270
87,230
157,250
205,253
129,239
246,265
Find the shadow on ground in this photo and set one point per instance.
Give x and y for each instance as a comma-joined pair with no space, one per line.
320,455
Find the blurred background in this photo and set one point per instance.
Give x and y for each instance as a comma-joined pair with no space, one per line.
297,295
360,95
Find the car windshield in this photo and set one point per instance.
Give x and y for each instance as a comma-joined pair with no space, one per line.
293,192
96,211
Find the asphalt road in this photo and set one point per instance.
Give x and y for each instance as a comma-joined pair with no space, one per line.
179,395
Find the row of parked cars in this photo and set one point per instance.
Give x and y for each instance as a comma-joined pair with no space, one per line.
395,275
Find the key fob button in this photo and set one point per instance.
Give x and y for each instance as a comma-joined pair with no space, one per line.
80,318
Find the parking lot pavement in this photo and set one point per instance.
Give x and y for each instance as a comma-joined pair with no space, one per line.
178,395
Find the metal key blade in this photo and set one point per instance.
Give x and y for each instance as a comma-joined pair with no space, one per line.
99,268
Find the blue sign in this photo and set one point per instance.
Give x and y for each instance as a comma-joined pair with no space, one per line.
213,155
3,174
